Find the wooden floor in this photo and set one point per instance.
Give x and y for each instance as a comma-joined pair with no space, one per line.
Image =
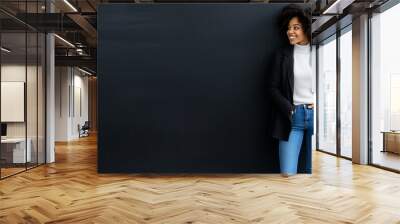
5,172
387,159
71,191
9,171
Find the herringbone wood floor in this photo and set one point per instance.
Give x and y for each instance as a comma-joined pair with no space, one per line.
71,191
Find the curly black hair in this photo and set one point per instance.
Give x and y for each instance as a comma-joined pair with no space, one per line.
291,11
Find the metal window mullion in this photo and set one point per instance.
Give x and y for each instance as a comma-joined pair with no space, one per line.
37,91
0,93
338,98
46,73
69,92
369,89
73,91
45,94
317,95
26,86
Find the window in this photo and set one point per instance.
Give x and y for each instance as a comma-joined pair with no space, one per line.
385,89
327,96
346,92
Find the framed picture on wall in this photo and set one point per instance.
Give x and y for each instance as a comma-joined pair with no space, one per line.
12,101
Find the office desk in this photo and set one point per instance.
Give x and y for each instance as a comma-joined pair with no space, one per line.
13,150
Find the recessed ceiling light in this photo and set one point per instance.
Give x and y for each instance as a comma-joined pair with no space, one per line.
70,5
338,6
86,72
64,40
5,50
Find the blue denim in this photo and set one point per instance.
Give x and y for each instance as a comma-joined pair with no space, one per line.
302,131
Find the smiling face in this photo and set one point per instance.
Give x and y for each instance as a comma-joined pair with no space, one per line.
295,32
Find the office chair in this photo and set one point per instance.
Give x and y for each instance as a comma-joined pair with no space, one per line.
84,130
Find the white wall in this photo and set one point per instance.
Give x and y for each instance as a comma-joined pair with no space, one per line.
62,81
80,112
71,102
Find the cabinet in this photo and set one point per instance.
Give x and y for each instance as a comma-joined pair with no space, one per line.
391,141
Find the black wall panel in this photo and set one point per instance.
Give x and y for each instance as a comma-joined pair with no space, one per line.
182,88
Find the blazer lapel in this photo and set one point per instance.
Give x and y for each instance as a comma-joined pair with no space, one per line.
290,73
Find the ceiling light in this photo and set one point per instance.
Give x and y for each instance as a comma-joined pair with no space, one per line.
329,9
65,41
5,50
70,5
338,6
86,72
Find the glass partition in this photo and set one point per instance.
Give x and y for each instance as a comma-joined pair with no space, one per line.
327,96
346,93
15,151
385,89
32,95
22,88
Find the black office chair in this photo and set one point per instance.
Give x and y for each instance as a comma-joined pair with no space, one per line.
84,130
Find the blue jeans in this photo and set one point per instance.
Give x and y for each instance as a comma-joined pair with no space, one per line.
302,131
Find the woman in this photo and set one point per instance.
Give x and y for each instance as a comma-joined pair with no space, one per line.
292,91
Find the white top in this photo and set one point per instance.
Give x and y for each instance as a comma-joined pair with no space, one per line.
304,81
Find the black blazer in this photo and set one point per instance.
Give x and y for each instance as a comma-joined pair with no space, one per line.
281,93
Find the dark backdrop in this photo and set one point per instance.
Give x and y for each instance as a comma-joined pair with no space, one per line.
182,88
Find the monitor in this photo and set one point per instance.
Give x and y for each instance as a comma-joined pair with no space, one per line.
3,129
